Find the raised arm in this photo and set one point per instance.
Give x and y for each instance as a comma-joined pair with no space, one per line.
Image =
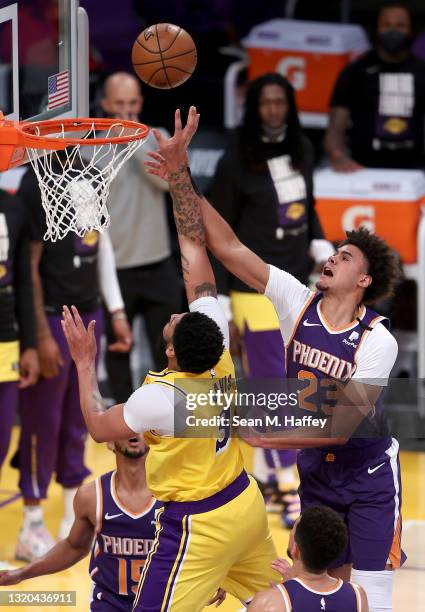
171,163
122,420
198,275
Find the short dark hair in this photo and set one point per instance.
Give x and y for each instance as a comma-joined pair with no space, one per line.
381,262
321,536
198,343
393,4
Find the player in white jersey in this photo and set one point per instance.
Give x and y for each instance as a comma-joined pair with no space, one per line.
331,337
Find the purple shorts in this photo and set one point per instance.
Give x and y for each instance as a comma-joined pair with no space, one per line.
105,601
365,489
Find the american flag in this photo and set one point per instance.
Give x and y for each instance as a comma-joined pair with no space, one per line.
58,90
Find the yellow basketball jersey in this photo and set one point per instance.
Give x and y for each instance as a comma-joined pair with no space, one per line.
189,469
9,361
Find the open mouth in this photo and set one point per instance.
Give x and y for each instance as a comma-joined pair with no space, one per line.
327,271
134,440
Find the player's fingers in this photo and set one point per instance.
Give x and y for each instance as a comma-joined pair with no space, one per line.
65,312
159,137
65,331
153,170
177,122
77,319
156,155
152,164
191,125
68,320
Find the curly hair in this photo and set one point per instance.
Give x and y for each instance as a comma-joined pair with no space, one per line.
251,129
198,343
381,261
321,536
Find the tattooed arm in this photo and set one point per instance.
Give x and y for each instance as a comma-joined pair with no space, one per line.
103,425
198,275
197,221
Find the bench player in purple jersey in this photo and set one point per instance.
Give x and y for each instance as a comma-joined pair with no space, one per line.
115,517
330,336
19,366
318,537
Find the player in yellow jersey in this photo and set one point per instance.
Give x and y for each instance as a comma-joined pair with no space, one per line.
213,529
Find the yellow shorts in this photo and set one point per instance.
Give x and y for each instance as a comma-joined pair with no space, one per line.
9,361
201,546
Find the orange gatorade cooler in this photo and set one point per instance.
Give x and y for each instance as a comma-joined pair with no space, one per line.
311,55
387,202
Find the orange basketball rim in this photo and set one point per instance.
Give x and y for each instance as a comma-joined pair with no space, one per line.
75,161
56,134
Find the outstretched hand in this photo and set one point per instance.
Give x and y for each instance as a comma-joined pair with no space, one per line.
172,152
81,341
218,598
284,568
10,577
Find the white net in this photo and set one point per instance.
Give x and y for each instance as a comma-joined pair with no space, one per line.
74,182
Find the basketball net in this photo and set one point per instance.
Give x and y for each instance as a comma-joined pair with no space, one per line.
74,183
74,174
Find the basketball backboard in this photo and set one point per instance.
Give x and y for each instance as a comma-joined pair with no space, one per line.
43,59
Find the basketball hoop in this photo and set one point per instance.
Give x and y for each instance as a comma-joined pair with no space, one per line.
75,161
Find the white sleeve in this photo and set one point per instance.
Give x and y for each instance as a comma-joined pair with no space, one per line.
108,279
289,297
151,407
285,292
209,306
376,356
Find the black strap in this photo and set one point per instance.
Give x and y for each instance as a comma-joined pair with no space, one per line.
365,327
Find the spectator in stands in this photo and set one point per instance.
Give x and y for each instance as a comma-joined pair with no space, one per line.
74,270
139,232
264,188
382,97
18,356
418,47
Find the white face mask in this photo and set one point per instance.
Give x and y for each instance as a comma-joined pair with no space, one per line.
273,134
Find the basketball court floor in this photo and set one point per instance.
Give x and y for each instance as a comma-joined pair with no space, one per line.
410,581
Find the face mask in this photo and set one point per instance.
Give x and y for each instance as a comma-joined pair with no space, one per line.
393,41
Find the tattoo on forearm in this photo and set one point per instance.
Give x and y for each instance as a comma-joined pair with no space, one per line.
187,209
185,267
205,289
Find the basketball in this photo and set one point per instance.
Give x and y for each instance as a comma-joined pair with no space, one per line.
164,56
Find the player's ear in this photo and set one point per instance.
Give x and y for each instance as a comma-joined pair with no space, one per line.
295,551
110,446
365,281
169,351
